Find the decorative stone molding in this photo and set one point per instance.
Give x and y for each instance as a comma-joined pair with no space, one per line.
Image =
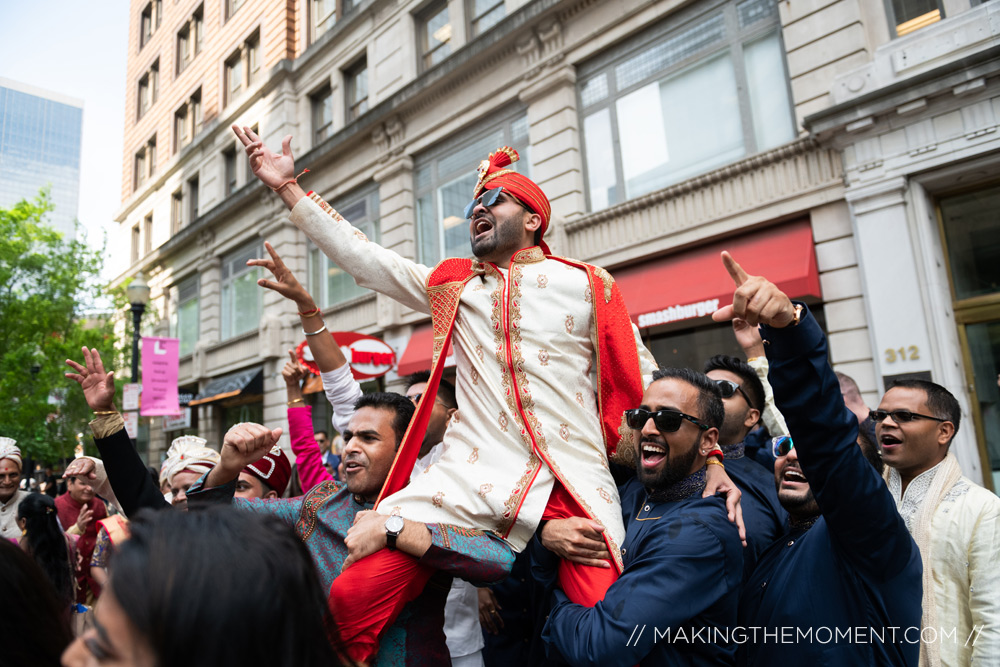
388,137
206,239
784,173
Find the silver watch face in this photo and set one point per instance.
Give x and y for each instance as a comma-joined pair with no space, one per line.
394,525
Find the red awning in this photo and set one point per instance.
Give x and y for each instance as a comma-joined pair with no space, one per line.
417,356
694,283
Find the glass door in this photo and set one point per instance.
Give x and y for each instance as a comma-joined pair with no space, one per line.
970,228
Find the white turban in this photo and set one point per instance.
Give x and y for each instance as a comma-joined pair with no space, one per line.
9,450
188,452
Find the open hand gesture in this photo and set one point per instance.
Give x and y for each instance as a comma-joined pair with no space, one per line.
273,170
285,283
756,300
98,386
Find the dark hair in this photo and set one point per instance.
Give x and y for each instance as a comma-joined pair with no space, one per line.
750,384
396,403
181,575
35,620
417,378
446,390
47,543
869,446
941,402
710,408
325,434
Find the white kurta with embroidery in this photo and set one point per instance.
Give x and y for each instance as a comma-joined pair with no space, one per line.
524,351
965,550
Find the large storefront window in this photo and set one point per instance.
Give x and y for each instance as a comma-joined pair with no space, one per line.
972,240
693,94
444,181
329,283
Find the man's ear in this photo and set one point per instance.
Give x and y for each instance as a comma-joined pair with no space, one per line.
532,222
709,439
753,416
272,494
946,431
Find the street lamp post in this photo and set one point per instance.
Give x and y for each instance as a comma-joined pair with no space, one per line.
138,296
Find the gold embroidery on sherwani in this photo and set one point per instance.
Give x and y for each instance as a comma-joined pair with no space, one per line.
543,357
603,493
438,499
502,420
454,418
569,324
484,489
512,503
588,295
474,456
361,235
479,352
444,301
543,281
579,398
564,432
475,376
606,279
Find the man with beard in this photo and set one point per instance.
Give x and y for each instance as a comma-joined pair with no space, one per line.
10,495
955,522
683,558
847,568
532,439
743,398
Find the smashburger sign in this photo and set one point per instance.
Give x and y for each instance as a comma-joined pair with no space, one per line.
367,356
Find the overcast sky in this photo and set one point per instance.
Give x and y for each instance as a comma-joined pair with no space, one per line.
77,49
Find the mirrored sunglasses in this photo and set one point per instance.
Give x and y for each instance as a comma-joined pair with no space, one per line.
781,445
487,199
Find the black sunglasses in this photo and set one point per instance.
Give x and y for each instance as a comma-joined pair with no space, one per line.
727,388
899,416
666,421
488,199
781,445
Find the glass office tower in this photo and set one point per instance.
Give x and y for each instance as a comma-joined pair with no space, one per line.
40,134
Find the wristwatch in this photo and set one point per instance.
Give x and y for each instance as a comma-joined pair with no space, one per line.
393,527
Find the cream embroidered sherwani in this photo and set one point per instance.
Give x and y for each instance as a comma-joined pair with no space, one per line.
524,350
965,551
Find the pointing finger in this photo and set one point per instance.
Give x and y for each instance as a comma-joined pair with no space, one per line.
240,135
736,271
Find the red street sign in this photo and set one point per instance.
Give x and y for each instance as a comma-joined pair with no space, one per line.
369,357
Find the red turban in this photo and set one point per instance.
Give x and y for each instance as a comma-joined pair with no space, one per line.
273,469
492,174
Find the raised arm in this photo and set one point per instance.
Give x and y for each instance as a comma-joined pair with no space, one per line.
852,497
371,265
753,347
300,429
127,474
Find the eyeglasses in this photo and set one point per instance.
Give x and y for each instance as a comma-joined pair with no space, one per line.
666,421
727,388
781,445
488,199
415,399
899,416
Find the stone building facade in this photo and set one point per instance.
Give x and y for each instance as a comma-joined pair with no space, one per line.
661,131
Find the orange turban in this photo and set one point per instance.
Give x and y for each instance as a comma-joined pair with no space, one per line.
492,174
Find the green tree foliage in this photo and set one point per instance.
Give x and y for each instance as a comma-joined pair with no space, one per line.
47,284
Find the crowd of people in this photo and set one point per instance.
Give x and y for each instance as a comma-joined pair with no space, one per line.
559,500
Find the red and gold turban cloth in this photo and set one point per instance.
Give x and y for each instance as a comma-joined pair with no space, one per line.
493,173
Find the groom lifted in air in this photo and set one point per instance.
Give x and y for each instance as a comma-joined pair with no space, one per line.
531,439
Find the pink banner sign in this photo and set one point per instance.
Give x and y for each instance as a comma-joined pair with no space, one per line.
159,376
